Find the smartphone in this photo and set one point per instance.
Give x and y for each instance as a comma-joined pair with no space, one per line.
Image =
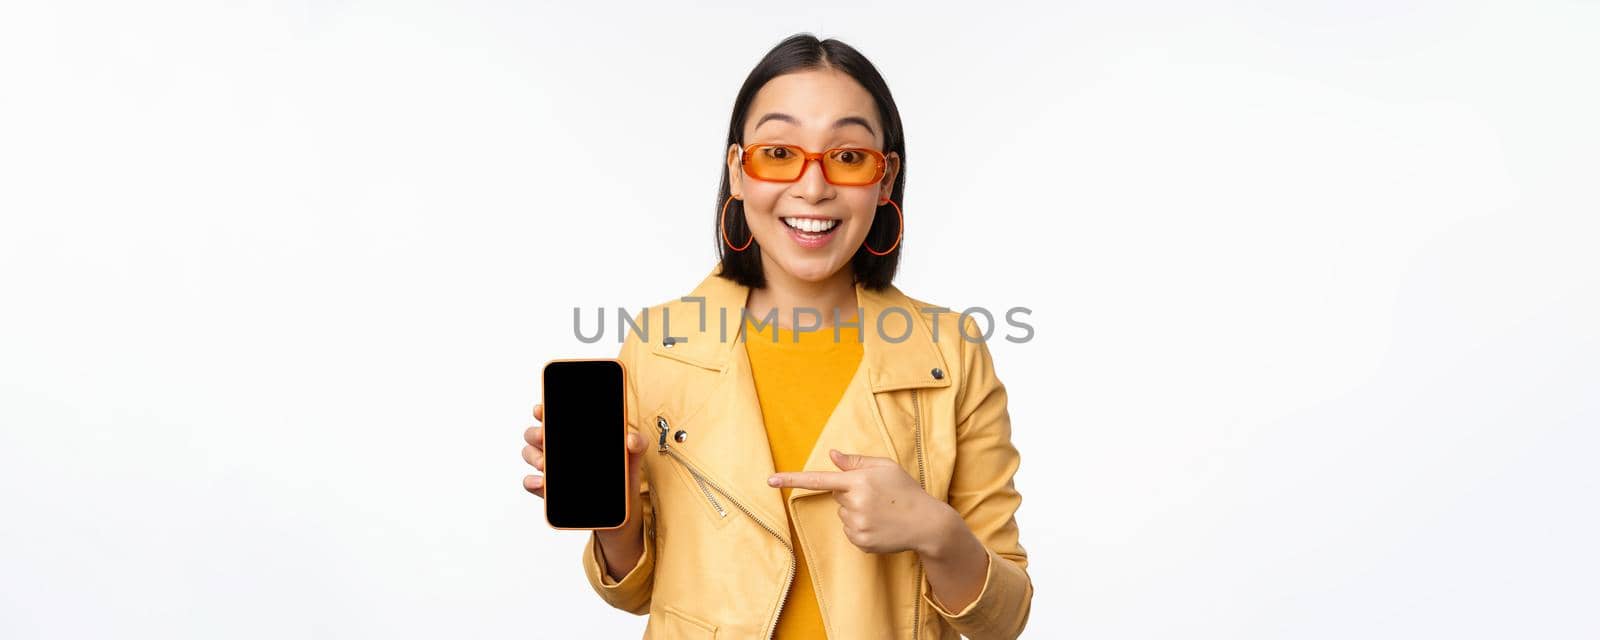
585,446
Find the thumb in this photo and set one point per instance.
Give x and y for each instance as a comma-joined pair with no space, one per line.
847,461
635,443
851,461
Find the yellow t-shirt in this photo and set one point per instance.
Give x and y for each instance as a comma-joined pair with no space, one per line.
799,384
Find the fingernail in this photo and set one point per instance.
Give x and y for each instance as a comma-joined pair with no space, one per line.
772,481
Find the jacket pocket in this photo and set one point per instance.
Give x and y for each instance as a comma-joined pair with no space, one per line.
672,624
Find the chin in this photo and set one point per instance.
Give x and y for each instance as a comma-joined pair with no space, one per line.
811,269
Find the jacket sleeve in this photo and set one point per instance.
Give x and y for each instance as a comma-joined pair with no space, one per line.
631,593
982,491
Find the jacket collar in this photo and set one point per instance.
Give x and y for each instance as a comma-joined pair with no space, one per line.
729,442
713,340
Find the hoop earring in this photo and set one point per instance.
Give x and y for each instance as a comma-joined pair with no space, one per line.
898,234
722,226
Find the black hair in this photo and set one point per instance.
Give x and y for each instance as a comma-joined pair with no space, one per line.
804,52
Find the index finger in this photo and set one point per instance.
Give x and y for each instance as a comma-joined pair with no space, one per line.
538,412
819,480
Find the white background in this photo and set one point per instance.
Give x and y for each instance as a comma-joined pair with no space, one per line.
1315,291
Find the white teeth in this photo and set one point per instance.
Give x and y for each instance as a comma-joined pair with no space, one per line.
810,225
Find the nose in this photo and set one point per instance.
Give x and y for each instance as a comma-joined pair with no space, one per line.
812,185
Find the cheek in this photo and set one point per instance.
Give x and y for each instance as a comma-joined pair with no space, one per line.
759,202
861,208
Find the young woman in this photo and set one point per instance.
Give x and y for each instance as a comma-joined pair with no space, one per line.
818,454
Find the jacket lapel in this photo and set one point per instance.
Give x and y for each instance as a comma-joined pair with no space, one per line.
888,363
730,441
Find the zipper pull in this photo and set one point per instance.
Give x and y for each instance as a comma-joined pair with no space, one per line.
661,423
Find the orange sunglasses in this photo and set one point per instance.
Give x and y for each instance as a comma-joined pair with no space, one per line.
843,166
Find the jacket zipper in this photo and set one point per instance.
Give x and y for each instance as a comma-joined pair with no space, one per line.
713,499
916,610
661,423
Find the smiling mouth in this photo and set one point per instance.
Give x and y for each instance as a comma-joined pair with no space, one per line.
811,225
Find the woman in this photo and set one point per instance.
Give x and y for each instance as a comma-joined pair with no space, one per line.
795,373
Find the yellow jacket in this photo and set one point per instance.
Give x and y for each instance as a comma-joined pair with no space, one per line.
717,557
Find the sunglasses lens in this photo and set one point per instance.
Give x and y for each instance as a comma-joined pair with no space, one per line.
774,162
851,166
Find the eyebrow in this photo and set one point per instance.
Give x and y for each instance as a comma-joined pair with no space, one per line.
841,122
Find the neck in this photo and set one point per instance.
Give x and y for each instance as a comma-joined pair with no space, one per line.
835,294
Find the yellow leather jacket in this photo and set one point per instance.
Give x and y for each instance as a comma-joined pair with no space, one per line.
718,559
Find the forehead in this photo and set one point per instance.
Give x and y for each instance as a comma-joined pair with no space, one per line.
817,98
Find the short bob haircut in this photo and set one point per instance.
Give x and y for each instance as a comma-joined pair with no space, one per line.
804,52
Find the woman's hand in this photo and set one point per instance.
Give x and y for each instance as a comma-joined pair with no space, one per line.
884,510
533,453
882,507
621,547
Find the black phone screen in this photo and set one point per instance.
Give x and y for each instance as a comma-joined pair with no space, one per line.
586,456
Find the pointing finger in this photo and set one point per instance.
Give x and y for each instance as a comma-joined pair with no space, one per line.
819,480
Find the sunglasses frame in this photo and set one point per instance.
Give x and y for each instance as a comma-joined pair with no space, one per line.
877,156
